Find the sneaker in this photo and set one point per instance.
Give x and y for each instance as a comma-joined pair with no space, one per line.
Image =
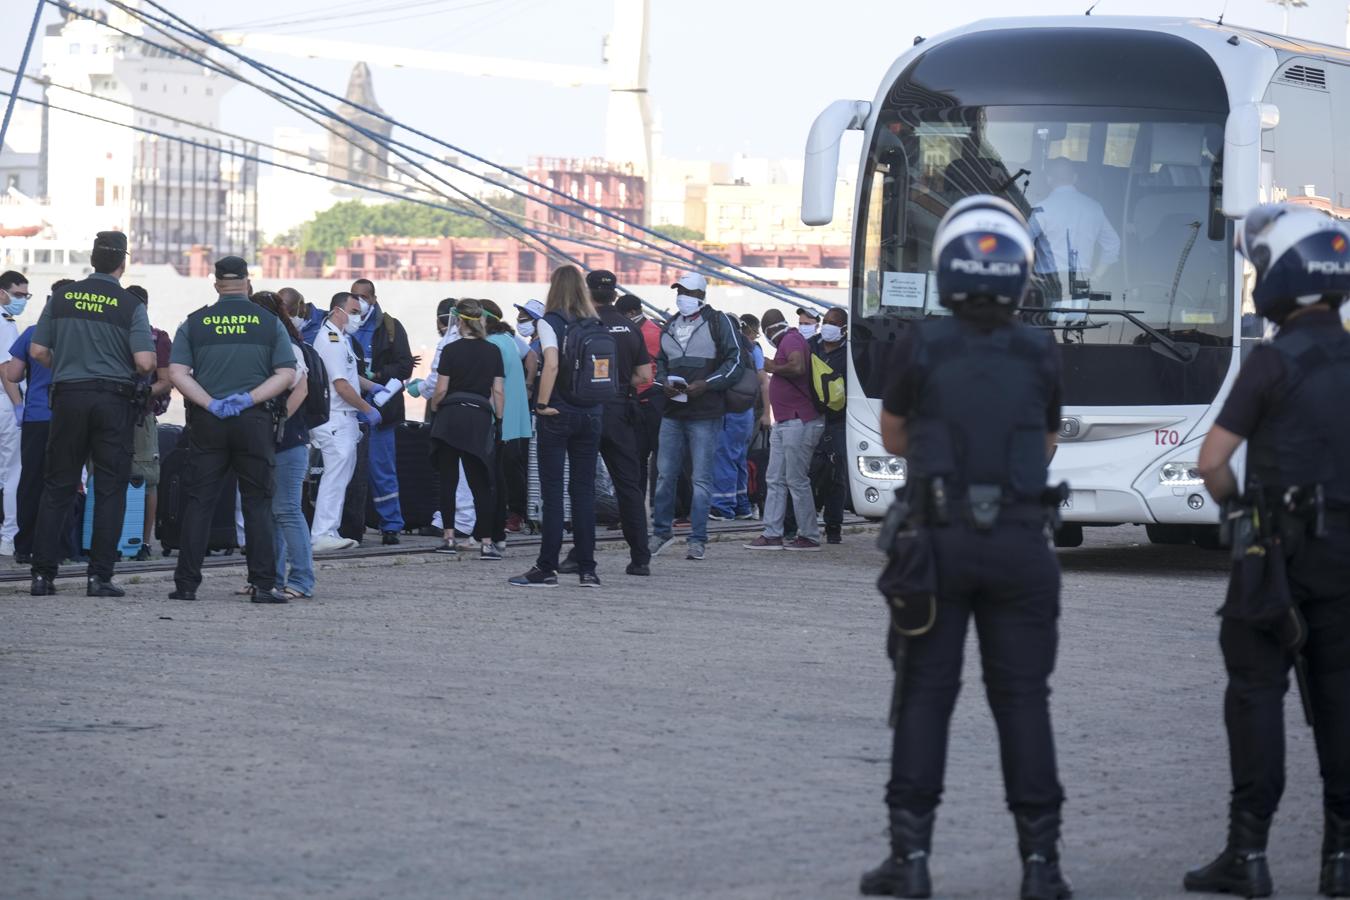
718,516
330,542
500,547
449,548
568,566
834,538
591,580
660,542
389,538
765,543
143,554
102,587
536,577
801,543
490,552
641,570
745,516
695,551
430,531
6,548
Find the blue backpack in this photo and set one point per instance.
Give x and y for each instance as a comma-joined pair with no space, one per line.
588,361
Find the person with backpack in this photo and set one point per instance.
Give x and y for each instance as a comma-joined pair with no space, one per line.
829,364
731,498
290,533
579,375
796,431
700,360
389,363
620,422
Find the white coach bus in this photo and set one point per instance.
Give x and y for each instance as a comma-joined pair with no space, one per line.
1131,145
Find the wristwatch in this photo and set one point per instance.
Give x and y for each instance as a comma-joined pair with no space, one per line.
541,406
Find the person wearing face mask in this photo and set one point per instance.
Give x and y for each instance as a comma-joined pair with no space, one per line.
389,362
337,438
831,453
304,316
808,325
651,398
796,431
13,298
699,359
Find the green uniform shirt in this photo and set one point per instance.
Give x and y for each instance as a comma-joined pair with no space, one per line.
232,346
92,328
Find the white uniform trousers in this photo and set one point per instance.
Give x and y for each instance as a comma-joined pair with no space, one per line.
336,440
10,466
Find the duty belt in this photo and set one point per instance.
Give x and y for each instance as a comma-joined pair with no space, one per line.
103,385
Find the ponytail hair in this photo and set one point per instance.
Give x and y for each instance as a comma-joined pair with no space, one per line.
470,315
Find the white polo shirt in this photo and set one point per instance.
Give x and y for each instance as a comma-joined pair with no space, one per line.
335,348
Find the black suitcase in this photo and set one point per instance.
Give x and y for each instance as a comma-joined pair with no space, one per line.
757,465
173,499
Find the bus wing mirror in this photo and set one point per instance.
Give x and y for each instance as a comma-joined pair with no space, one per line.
1242,156
821,169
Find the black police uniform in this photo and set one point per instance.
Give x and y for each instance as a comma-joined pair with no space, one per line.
619,438
978,405
232,345
1289,401
92,327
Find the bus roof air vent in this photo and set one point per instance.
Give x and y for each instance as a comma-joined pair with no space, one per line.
1308,76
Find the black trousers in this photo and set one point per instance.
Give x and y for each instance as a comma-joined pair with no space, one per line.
619,429
831,462
28,498
479,476
648,435
352,526
1258,678
246,445
90,422
1008,578
500,489
516,473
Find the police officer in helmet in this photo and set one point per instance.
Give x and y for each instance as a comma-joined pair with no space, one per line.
1288,604
229,360
975,410
95,337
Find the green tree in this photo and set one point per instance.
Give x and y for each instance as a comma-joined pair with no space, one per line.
680,232
336,226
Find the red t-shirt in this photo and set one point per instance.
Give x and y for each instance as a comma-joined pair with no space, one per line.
651,335
790,395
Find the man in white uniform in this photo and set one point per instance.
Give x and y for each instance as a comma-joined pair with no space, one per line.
1075,229
13,298
337,438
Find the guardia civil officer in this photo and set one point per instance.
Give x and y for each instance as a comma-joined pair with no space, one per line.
974,409
229,360
1289,601
95,337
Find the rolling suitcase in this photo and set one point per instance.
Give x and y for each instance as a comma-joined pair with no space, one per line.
757,465
419,485
133,522
173,500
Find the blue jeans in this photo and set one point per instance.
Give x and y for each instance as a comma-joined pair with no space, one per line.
698,438
384,479
290,534
575,436
730,475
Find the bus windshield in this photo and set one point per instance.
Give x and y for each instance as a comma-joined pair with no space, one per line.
1131,249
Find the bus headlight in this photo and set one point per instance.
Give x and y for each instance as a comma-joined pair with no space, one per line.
884,468
1180,474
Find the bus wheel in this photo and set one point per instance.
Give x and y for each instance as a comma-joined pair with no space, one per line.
1169,534
1206,537
1069,536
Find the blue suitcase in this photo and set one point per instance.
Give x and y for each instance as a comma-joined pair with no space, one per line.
133,523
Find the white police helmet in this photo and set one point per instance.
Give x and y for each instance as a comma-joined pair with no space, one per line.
982,249
1301,256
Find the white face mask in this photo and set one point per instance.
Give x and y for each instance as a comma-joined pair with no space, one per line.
298,322
807,331
687,305
365,308
831,334
775,332
526,329
352,326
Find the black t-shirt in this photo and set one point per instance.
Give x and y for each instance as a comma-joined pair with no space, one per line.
471,364
632,348
1261,379
902,397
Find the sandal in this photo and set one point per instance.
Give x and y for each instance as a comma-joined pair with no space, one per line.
245,591
292,594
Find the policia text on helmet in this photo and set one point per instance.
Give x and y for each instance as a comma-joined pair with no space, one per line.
1289,529
974,407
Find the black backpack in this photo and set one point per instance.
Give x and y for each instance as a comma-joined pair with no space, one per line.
315,408
741,396
588,361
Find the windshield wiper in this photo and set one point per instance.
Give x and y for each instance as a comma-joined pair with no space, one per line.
1183,352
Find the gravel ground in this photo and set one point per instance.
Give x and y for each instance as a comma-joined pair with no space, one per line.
718,730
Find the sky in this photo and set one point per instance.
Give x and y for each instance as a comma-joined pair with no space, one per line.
727,76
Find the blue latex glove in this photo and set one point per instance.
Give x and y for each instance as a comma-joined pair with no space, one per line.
239,402
221,408
18,415
372,418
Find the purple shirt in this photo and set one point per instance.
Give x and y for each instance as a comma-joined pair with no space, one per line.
790,395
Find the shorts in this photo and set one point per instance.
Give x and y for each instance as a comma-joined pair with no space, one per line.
145,455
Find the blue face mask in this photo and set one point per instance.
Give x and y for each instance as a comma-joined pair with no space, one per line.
17,304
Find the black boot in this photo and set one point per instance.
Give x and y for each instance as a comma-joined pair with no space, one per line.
904,873
1336,856
1038,842
1241,868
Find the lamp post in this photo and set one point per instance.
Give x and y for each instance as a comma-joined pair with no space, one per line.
1288,5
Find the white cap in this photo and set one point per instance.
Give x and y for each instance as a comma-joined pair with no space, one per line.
532,308
692,281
